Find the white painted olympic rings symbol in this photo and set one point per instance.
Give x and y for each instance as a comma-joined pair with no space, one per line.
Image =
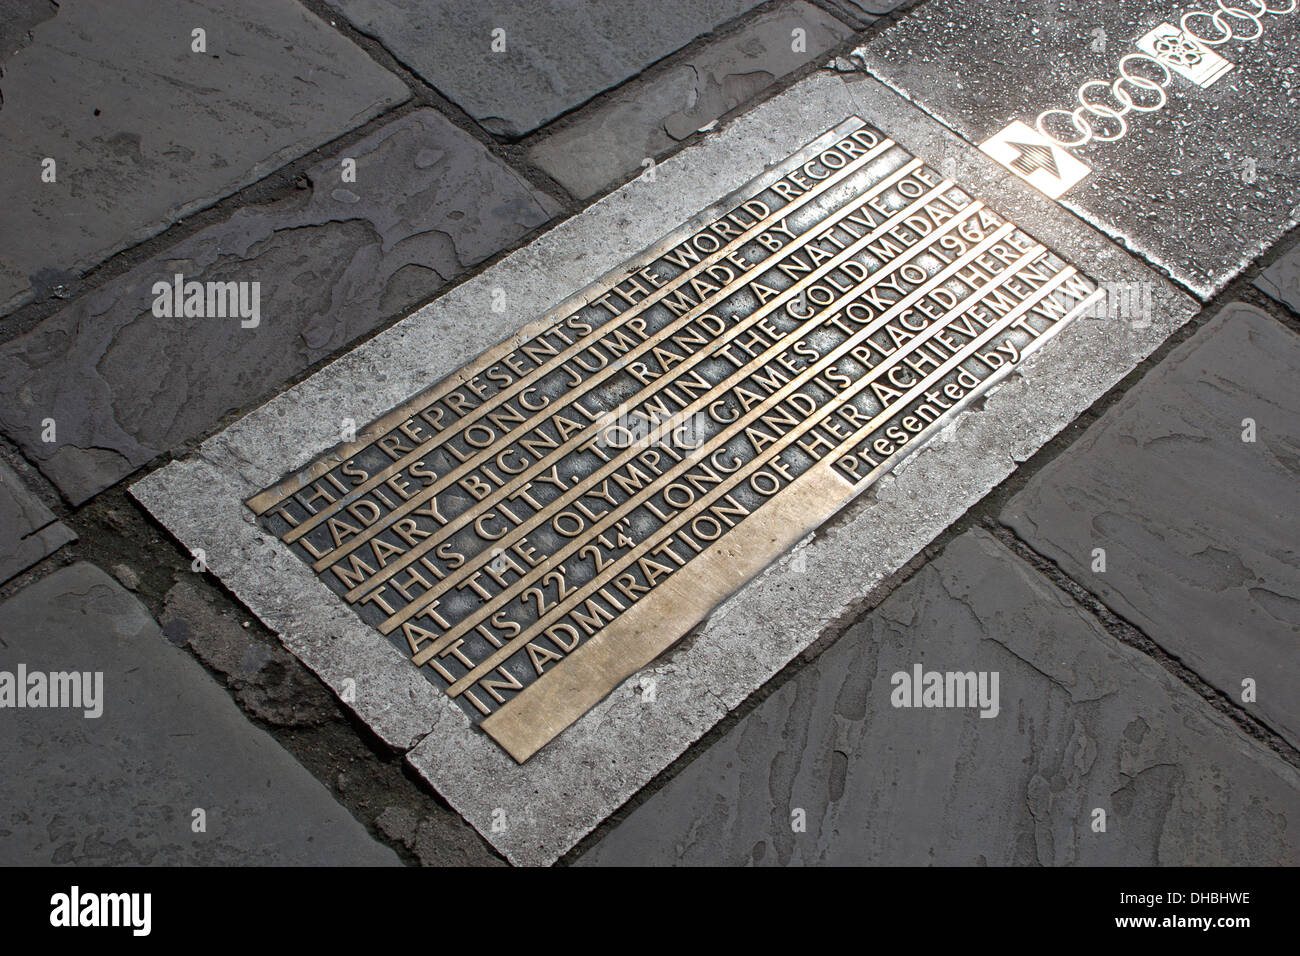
1108,123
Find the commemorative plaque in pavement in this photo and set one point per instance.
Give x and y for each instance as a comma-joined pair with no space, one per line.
1170,126
678,386
550,518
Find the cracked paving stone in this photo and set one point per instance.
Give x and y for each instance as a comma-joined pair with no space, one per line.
1199,527
1281,280
558,53
333,262
122,788
648,116
28,530
1083,722
139,125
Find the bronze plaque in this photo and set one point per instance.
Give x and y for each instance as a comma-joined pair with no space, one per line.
545,522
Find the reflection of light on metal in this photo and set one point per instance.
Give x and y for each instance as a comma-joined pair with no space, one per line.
578,502
1086,129
1225,29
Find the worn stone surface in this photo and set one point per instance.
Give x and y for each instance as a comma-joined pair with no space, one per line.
555,798
1201,187
864,12
333,262
558,53
139,125
1281,280
120,789
1083,722
18,18
28,530
1198,526
268,681
607,143
430,842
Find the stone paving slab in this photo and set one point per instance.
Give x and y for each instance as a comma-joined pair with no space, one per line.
121,788
1198,526
124,384
555,798
28,530
557,53
139,125
1281,280
649,115
1082,722
1201,186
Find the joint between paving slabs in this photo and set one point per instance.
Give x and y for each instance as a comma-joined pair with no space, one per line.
423,94
517,150
1129,635
830,633
512,147
288,180
1266,303
285,183
977,516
